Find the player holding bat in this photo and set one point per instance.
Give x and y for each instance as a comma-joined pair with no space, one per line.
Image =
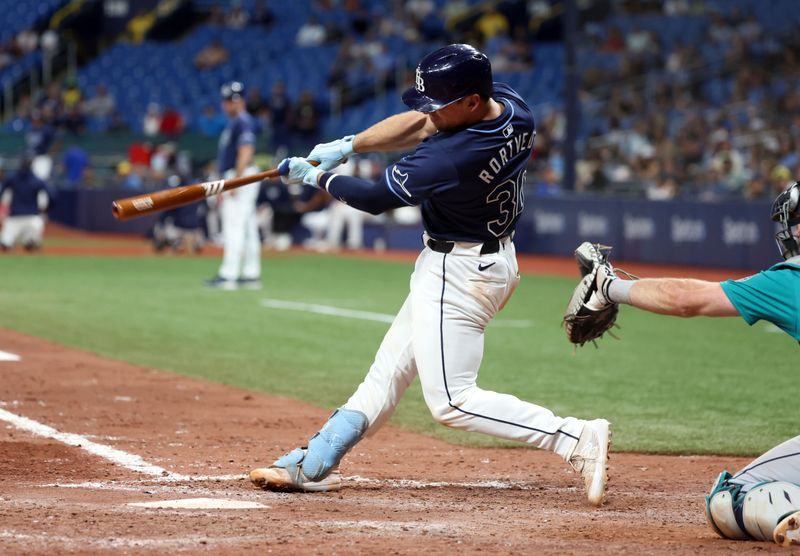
472,140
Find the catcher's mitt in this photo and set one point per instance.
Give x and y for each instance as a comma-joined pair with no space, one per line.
590,313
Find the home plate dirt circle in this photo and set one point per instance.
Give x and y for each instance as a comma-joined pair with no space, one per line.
200,504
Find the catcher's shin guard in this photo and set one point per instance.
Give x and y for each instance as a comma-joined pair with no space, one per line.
724,509
755,514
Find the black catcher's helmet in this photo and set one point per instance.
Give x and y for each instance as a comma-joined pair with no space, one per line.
786,211
447,75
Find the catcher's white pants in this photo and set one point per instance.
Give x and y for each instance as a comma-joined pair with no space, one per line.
781,463
438,335
241,246
25,229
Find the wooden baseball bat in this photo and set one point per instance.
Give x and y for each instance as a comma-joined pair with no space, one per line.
131,207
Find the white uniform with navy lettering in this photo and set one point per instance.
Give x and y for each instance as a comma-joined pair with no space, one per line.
242,248
469,185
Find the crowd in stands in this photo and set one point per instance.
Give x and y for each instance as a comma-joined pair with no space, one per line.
26,42
710,120
709,116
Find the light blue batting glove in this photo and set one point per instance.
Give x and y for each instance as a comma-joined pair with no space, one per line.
297,170
330,155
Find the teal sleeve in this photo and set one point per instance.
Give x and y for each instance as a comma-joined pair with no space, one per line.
771,295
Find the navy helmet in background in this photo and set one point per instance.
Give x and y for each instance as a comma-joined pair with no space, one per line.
232,90
448,75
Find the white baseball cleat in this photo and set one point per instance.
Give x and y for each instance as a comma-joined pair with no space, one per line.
279,478
590,459
787,531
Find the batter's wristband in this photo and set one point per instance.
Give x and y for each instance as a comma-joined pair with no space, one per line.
325,179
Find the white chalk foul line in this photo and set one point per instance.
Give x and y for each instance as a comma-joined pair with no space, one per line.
359,315
7,356
118,457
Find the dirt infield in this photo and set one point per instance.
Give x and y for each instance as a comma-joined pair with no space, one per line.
178,438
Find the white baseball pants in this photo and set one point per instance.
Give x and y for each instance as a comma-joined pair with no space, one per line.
438,335
241,245
25,229
781,463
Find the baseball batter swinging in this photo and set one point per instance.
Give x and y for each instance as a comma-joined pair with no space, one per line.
472,141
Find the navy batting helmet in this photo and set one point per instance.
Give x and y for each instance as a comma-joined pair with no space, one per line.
447,75
786,211
232,90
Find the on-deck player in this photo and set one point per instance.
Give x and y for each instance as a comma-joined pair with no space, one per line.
472,141
761,501
241,259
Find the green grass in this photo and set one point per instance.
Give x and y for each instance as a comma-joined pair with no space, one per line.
670,385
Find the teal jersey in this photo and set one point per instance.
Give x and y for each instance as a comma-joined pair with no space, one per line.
772,295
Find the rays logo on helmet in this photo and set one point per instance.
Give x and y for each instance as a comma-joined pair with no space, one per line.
420,83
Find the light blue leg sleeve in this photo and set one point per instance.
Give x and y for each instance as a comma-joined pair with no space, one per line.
326,448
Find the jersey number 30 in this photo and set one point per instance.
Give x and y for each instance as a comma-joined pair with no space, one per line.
508,197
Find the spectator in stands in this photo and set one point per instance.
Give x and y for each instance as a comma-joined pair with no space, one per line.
304,122
279,108
211,56
255,102
139,154
614,42
420,9
50,42
76,166
548,185
5,57
152,120
101,106
664,189
71,94
140,24
172,123
514,55
73,119
211,122
116,124
130,176
52,100
237,17
492,23
757,189
27,40
162,161
311,33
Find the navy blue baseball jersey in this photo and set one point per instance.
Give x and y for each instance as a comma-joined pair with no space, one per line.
468,182
38,140
239,131
25,188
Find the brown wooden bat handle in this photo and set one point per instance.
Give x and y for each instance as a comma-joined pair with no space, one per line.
131,207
